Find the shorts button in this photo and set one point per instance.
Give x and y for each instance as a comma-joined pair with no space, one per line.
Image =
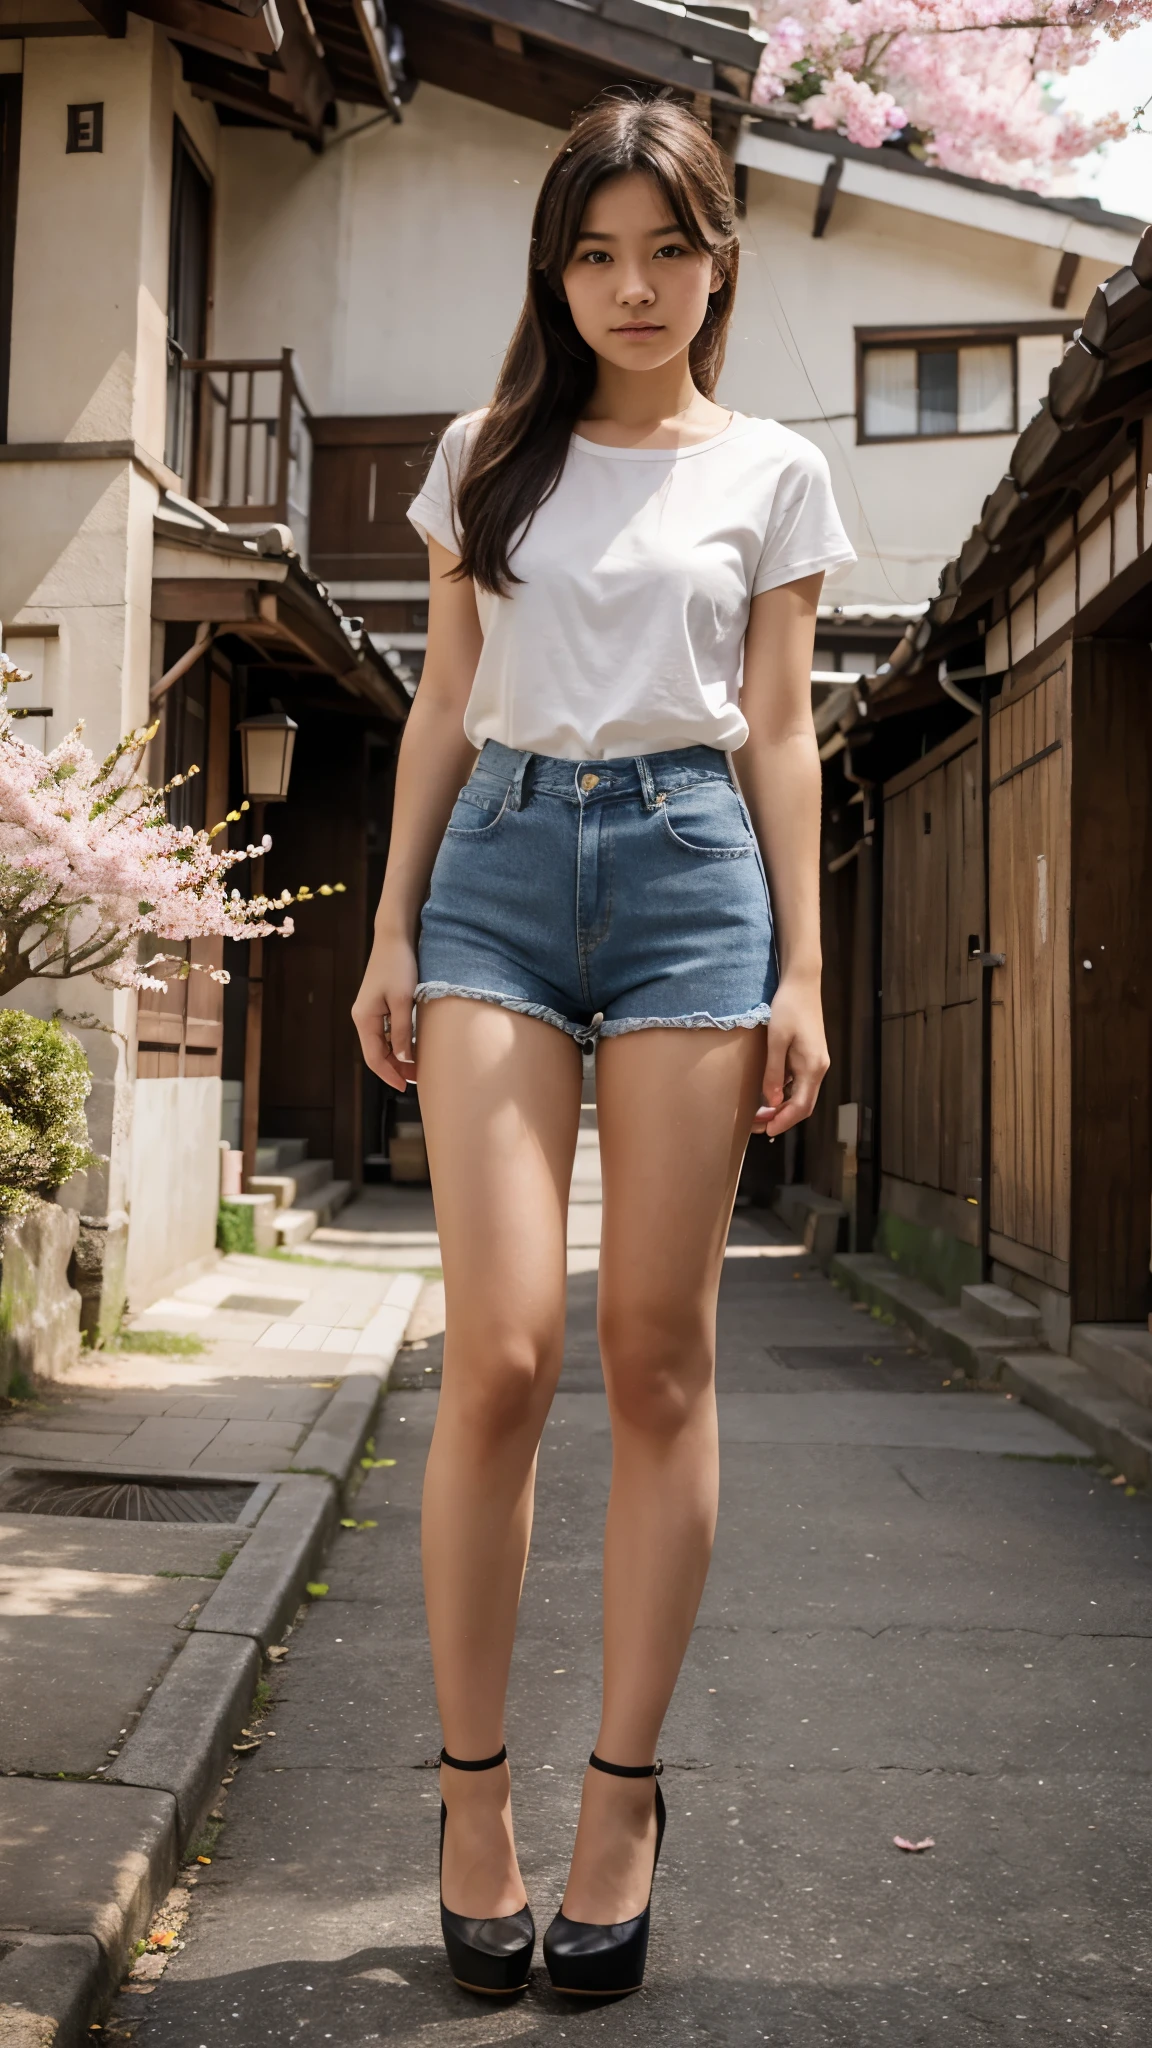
589,781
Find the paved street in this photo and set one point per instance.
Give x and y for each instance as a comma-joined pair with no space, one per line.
928,1617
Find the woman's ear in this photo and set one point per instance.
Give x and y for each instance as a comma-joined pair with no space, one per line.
717,278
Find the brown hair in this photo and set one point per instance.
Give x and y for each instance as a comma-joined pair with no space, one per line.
549,372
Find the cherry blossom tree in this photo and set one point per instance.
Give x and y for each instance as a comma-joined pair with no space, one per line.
90,865
966,84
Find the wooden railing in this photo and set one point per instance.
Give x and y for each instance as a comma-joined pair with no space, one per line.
244,431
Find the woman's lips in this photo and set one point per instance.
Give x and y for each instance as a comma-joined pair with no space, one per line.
640,327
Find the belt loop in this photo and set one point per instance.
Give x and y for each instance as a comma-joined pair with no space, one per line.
647,786
516,788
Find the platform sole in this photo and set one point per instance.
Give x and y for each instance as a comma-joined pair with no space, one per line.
491,1990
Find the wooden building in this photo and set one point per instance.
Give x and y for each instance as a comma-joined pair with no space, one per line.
988,874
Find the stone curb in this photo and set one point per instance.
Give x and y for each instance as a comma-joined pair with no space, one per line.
183,1739
87,1863
262,1589
1117,1429
48,1986
339,1437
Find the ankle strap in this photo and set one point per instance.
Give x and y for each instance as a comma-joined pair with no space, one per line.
484,1763
655,1770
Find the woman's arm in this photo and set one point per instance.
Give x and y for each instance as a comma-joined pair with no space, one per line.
779,771
435,758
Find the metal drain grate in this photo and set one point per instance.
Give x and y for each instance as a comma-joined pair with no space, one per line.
110,1498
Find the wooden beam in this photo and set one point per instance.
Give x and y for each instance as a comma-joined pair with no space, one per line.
212,78
509,39
826,198
377,55
1065,279
111,15
628,52
459,56
218,25
304,70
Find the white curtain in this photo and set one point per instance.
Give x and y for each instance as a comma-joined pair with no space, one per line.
987,399
890,405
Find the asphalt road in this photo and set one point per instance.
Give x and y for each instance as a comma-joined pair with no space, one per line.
926,1618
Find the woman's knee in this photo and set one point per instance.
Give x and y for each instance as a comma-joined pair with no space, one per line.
657,1369
500,1384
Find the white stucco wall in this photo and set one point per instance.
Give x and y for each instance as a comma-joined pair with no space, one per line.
175,1187
395,265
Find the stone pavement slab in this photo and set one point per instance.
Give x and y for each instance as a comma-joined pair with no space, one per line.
174,1548
79,1653
83,1860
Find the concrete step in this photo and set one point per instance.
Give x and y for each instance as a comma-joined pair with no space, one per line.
1114,1427
1002,1311
817,1220
971,1345
292,1188
298,1222
293,1226
1120,1353
279,1155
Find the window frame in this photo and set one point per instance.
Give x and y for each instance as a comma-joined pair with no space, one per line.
939,340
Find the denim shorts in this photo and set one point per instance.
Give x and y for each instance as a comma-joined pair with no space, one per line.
602,896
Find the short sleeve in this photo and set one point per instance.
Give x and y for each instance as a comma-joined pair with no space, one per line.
805,533
433,509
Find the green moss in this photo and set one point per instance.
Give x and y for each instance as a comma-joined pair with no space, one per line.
158,1343
933,1256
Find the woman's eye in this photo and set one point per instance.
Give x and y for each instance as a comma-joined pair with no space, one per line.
596,256
672,249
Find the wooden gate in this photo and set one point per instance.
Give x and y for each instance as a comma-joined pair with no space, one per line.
1029,842
930,1005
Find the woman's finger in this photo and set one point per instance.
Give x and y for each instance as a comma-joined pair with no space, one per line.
400,1032
775,1067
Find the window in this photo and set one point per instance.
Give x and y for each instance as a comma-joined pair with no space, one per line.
942,383
188,258
10,83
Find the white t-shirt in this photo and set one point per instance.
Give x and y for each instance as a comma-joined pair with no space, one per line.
626,634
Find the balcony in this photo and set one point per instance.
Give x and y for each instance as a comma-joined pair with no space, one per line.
242,441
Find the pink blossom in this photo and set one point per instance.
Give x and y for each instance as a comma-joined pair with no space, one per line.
971,78
855,110
90,864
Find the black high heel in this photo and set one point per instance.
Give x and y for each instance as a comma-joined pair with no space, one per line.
493,1956
589,1961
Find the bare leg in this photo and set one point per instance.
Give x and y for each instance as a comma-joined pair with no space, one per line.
675,1110
500,1098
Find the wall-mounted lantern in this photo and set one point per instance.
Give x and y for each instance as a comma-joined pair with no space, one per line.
266,746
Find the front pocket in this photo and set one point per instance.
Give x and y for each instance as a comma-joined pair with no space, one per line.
477,811
708,818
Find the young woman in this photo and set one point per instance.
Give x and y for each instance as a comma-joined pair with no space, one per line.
624,580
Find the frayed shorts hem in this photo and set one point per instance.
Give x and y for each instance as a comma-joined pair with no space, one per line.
587,1034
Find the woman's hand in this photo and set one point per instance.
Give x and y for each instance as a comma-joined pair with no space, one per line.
797,1057
382,1012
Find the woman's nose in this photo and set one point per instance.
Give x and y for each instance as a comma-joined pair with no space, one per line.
635,291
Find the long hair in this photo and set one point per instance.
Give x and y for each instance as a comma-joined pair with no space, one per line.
549,372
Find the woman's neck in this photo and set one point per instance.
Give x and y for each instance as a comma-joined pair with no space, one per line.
653,408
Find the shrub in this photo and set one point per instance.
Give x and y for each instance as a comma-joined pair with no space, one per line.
44,1083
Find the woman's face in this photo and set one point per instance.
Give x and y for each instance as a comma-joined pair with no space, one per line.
636,288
